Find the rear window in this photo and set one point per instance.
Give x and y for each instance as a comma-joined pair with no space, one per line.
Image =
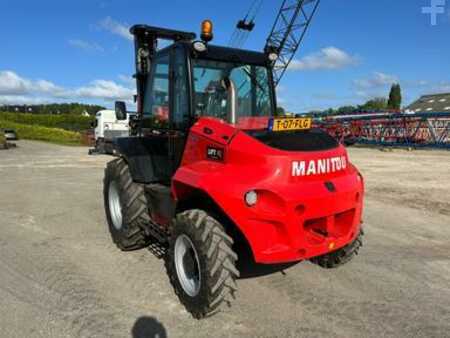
305,140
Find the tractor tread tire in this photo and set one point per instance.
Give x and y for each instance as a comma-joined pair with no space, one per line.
342,256
135,213
217,261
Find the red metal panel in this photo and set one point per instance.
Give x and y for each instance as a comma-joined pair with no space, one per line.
291,192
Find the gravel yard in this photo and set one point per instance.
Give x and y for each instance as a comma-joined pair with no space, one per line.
61,276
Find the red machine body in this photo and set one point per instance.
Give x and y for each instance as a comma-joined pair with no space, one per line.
309,202
210,163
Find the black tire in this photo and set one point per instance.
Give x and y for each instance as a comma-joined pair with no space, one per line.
340,257
130,235
216,259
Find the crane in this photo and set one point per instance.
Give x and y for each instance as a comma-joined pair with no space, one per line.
288,31
245,26
292,22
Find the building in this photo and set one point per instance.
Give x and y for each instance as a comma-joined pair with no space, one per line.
438,103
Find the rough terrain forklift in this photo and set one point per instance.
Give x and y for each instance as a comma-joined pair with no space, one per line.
209,163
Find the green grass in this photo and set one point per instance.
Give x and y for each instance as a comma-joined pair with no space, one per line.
40,133
67,122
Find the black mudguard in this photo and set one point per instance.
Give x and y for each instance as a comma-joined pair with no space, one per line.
147,158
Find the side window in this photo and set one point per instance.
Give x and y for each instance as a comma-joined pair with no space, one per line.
156,101
181,94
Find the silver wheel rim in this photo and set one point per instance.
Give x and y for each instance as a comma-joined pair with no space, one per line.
187,265
115,208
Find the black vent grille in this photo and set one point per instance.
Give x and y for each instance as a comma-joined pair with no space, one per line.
307,140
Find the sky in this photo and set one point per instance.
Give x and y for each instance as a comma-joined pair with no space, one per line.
81,51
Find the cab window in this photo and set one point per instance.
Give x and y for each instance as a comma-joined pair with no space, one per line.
157,96
252,85
181,101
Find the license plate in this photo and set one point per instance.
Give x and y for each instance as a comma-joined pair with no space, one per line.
286,124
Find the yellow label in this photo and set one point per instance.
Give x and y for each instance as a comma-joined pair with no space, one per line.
291,124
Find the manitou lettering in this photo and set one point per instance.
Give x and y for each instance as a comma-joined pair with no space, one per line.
319,167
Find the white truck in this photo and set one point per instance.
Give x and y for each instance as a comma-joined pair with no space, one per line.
106,128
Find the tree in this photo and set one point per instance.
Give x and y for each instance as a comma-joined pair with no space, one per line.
56,108
379,103
395,97
344,110
281,111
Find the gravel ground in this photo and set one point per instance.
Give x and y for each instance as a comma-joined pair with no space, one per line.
61,276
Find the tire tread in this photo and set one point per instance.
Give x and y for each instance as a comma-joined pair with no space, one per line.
215,247
135,208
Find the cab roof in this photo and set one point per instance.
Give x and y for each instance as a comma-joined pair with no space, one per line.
217,53
227,54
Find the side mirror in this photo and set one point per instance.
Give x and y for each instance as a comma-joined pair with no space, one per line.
121,110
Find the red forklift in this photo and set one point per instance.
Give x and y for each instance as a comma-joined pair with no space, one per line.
209,163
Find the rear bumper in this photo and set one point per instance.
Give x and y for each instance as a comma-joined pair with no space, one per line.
300,221
294,241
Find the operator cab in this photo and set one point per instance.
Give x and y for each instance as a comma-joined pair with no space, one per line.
229,84
183,82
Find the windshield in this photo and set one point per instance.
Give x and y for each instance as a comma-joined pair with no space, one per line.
220,84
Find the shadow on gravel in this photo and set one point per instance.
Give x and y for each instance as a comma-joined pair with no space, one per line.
248,268
148,327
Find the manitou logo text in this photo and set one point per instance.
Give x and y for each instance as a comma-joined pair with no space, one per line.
319,167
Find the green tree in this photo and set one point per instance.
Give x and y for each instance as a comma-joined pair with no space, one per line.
346,110
379,103
395,97
281,111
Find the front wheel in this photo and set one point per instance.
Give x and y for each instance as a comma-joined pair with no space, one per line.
201,263
125,206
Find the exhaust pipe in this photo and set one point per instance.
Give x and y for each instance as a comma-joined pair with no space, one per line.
229,85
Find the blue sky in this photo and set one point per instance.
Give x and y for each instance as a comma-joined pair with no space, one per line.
58,51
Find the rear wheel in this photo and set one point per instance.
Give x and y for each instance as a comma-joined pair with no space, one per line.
340,257
125,206
201,263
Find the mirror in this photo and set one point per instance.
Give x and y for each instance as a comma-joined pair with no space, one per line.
121,110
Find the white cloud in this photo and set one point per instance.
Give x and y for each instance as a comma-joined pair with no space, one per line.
19,99
12,84
116,27
18,90
376,80
330,58
128,80
86,45
106,90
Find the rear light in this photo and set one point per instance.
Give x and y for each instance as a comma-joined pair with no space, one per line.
251,198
